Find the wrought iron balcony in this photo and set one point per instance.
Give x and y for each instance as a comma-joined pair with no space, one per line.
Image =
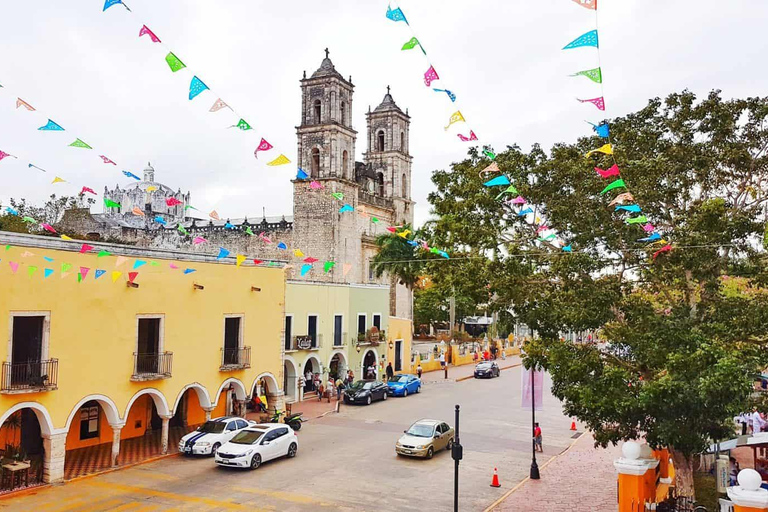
306,342
235,358
152,366
30,376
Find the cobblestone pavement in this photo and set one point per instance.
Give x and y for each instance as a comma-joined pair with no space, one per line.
582,479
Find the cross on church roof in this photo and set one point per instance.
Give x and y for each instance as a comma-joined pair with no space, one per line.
387,89
326,53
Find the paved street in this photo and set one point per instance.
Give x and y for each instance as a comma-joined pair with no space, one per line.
346,461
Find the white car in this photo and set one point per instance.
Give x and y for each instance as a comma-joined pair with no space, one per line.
258,444
212,434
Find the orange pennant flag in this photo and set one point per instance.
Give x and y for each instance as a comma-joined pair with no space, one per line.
21,103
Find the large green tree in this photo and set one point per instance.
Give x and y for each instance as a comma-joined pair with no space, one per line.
683,348
49,212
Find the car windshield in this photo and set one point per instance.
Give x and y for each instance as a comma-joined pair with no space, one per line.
212,427
247,437
421,430
357,385
400,378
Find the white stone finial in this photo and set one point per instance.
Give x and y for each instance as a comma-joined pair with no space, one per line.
748,493
631,450
749,479
645,451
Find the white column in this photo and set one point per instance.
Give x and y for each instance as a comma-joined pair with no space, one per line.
116,429
208,411
748,494
275,401
54,448
164,433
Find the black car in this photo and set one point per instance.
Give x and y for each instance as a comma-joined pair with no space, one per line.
487,370
365,392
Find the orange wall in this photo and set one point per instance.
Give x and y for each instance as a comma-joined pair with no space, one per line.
195,413
141,411
73,436
221,408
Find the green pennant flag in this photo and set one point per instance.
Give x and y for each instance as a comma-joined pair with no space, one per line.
596,74
111,204
187,207
547,238
103,253
7,247
490,154
338,195
374,220
80,144
328,266
153,263
243,125
249,231
613,185
182,230
413,43
510,190
31,270
173,62
65,267
79,277
637,220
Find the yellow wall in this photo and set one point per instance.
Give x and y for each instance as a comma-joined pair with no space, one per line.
93,324
400,329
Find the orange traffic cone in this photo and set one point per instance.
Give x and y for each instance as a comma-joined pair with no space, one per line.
495,481
573,425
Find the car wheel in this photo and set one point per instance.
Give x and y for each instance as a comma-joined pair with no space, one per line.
215,448
405,393
430,452
449,445
418,389
256,461
292,450
368,401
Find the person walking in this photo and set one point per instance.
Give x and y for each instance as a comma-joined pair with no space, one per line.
329,390
308,381
390,372
418,370
442,360
339,388
537,437
350,377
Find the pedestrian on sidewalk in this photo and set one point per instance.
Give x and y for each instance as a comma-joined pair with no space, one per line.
350,377
339,388
442,360
390,371
329,390
418,370
537,437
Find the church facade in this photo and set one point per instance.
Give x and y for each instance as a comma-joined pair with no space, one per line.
378,188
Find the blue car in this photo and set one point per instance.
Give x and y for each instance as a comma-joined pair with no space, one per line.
404,385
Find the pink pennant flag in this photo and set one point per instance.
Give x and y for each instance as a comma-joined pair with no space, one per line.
89,190
263,146
346,268
14,266
589,4
172,201
173,266
666,248
598,102
430,76
265,238
315,185
258,262
218,105
84,271
518,200
3,154
47,227
120,260
132,276
464,138
146,31
613,171
199,240
648,228
391,229
532,389
310,260
21,103
85,248
214,215
107,160
541,228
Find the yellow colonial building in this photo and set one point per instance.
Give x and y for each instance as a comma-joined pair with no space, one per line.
103,366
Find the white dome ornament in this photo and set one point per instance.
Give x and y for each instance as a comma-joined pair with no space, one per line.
749,493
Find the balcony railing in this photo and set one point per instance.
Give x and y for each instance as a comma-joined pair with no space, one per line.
371,338
339,339
30,376
152,366
235,358
306,342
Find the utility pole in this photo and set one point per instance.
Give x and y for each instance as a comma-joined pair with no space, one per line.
457,453
452,315
534,466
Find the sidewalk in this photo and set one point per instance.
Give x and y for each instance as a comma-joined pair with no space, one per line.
465,371
581,479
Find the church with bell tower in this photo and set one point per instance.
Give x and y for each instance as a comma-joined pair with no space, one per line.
378,187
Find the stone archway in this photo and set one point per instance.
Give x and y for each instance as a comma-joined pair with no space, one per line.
338,365
192,407
235,397
25,430
311,365
370,358
92,436
290,380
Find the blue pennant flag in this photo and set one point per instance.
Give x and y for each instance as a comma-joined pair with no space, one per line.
588,39
51,126
567,248
301,175
227,225
189,271
160,220
446,91
138,263
651,238
223,253
396,14
12,211
196,87
100,273
47,272
282,245
602,130
498,180
110,3
524,212
49,260
346,208
305,268
131,175
632,208
413,243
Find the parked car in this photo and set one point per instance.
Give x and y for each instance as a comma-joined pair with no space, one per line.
403,385
212,434
257,444
487,370
365,392
424,438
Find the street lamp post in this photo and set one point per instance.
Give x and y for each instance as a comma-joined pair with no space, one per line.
534,466
457,453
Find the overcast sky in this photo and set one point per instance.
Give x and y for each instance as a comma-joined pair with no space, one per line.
88,71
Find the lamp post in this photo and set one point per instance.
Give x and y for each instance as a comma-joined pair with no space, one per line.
457,453
534,466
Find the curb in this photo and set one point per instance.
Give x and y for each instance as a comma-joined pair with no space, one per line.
502,368
24,492
520,484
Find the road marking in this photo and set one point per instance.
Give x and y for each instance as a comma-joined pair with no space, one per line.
90,505
171,495
285,496
131,505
